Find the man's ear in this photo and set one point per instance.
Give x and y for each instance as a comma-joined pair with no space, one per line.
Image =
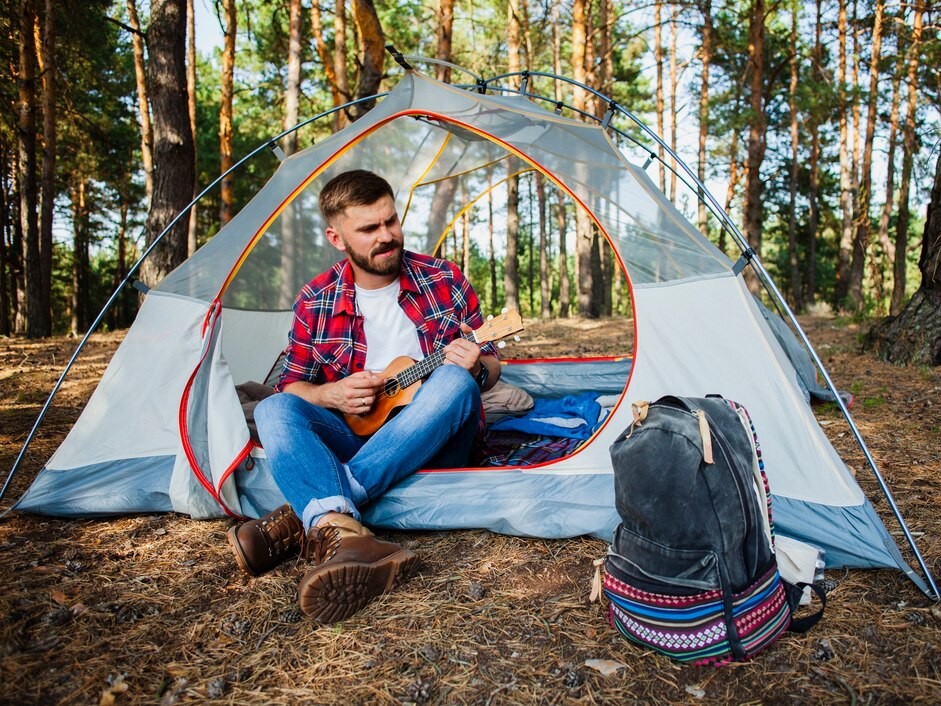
334,238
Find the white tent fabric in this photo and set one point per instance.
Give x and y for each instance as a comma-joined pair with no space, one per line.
164,430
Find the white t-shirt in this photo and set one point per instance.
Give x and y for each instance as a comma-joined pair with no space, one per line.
389,332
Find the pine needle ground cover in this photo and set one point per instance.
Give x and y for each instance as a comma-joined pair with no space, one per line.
153,610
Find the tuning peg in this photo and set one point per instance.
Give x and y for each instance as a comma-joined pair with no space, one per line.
516,338
490,318
504,310
501,344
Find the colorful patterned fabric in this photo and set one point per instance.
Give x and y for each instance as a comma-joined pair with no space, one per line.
695,628
513,448
327,342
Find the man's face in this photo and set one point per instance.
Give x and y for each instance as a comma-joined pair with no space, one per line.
371,236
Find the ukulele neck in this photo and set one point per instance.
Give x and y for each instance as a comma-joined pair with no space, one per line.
426,366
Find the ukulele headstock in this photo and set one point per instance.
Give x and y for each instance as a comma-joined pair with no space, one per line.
500,326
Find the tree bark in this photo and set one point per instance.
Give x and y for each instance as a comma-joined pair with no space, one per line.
191,242
565,281
756,137
50,72
6,266
673,95
863,223
705,53
545,275
173,140
658,95
288,220
143,100
372,54
908,157
813,195
792,247
846,179
914,335
511,259
28,177
443,45
885,243
227,81
326,57
81,317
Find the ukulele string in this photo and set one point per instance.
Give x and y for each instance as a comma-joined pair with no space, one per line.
417,371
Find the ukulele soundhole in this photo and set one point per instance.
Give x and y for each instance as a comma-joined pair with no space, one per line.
392,388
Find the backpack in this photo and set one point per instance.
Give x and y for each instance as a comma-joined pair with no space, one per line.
691,570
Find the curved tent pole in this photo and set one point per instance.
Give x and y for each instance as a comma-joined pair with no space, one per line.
129,277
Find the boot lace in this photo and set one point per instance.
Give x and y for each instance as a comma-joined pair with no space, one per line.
320,544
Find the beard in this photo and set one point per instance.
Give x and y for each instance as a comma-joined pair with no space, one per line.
368,263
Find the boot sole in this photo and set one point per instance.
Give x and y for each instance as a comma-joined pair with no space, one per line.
335,593
237,550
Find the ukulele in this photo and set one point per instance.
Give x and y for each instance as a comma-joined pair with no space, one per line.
405,374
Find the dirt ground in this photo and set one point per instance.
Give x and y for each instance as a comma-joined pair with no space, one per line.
152,609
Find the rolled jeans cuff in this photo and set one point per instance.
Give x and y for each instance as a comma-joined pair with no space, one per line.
317,508
357,491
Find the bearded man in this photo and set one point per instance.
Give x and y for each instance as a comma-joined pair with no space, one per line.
350,323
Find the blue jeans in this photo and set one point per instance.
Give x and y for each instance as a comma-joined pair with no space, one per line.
321,466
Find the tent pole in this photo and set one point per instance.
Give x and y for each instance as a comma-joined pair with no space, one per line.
129,277
772,288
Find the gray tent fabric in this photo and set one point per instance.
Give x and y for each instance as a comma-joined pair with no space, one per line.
803,364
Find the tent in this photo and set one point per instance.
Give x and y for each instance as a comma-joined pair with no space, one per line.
165,430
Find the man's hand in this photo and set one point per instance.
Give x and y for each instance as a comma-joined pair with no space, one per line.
354,394
463,353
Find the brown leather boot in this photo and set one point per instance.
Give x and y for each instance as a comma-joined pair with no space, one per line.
353,567
260,545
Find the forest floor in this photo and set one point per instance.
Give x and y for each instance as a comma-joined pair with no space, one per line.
152,609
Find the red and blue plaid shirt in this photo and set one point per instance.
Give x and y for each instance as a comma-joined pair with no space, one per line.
327,341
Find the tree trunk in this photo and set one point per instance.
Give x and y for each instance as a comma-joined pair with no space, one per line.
659,107
340,72
705,52
565,282
914,336
863,223
50,71
493,252
583,230
173,140
885,243
908,156
756,137
813,195
511,261
191,243
326,57
288,220
792,247
545,276
227,89
673,96
846,179
80,318
28,178
443,46
143,100
733,183
372,54
6,266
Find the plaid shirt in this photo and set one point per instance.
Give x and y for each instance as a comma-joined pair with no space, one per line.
327,341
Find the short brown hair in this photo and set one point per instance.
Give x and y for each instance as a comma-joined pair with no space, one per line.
356,187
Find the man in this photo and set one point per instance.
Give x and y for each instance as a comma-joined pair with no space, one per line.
379,303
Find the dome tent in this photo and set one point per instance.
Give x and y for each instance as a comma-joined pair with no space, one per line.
165,431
